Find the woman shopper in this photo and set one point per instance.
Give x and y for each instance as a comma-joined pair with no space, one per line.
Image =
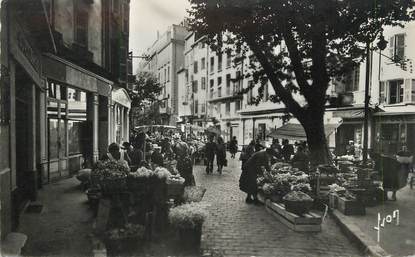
184,163
250,171
233,147
220,154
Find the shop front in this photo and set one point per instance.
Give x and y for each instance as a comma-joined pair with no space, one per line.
351,129
394,130
76,104
22,89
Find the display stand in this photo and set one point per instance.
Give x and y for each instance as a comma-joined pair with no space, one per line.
309,222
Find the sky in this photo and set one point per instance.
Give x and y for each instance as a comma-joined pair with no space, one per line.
149,16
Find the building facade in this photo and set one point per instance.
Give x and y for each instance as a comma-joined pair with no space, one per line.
164,59
62,101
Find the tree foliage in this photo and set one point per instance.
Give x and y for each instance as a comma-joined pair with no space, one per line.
146,89
323,39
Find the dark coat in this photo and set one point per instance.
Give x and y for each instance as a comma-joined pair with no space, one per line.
185,168
210,149
287,151
393,173
220,154
233,147
251,169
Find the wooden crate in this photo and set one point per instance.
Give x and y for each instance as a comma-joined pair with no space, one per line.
310,222
350,207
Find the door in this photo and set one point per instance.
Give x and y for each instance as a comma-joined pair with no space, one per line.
57,141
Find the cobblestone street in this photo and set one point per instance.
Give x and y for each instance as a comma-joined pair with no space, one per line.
237,229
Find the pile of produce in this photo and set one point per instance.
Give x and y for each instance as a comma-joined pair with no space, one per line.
109,176
282,179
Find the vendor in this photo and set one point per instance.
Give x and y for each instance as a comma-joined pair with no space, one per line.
300,159
250,171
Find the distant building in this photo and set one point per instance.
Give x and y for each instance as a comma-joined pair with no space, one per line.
165,58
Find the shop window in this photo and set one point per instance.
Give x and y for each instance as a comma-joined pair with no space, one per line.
219,92
396,91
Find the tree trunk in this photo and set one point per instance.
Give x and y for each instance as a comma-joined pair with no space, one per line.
316,138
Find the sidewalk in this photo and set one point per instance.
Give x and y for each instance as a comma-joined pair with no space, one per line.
63,226
395,240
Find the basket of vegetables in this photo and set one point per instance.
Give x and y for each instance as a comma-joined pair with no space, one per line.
110,177
298,202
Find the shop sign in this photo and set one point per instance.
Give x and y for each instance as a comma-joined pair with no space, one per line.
80,79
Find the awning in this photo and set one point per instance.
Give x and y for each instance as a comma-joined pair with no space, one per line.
294,131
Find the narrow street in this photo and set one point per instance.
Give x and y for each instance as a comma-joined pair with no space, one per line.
237,229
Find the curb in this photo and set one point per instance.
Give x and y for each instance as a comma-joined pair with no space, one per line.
354,233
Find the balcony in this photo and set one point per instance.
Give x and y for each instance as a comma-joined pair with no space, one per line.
230,93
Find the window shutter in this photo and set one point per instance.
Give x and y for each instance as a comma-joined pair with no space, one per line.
382,92
407,95
392,47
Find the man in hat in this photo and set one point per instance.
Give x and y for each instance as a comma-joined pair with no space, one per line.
251,169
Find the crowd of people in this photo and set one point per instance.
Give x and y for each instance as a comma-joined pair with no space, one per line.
151,151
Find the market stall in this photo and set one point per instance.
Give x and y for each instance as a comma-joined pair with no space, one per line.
134,208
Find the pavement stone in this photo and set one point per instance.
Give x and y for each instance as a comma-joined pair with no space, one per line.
235,228
64,226
395,240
